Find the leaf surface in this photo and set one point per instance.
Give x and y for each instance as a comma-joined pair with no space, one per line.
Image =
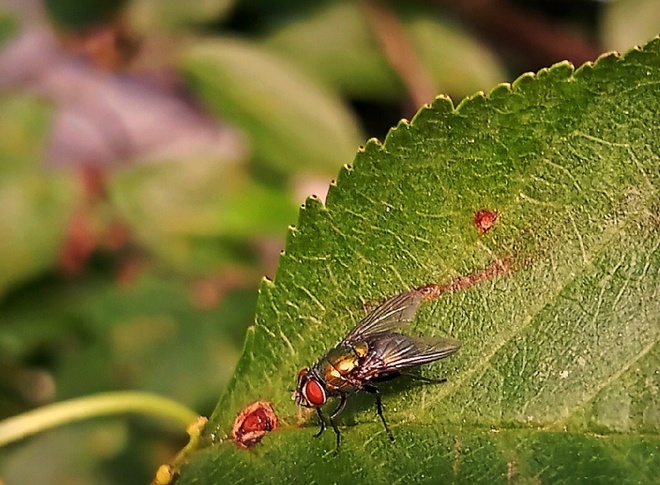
229,76
557,378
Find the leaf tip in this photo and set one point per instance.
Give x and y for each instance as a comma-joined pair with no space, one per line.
523,81
312,203
372,144
471,101
500,91
441,102
266,281
561,71
441,106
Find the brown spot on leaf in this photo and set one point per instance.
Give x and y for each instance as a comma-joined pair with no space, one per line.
497,268
484,220
458,450
252,424
511,471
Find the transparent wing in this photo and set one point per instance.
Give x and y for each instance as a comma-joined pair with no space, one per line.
395,352
386,317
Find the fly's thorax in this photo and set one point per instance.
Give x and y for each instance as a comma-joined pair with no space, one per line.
340,364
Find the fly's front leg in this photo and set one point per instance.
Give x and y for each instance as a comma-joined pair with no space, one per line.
322,420
379,406
340,408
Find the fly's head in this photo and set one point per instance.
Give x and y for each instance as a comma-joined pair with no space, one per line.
310,391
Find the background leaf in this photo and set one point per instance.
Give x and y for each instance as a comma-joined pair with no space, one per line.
629,22
34,207
228,74
192,212
157,15
557,378
354,64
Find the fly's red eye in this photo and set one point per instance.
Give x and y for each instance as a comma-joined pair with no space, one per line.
314,393
301,375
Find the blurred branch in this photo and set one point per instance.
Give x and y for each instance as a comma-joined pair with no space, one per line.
399,52
530,34
47,417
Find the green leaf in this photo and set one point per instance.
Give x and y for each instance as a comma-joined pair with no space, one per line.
104,335
64,446
71,14
292,123
9,27
208,202
137,329
354,63
35,205
171,14
557,377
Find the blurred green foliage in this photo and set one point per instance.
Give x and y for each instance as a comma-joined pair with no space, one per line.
35,206
354,64
69,14
141,272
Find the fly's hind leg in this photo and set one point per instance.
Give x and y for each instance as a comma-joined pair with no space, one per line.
379,406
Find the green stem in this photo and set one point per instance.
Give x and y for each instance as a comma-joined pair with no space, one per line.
23,425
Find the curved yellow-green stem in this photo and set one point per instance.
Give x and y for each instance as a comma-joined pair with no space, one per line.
50,416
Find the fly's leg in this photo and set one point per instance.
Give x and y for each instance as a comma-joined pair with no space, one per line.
379,406
322,420
340,408
338,435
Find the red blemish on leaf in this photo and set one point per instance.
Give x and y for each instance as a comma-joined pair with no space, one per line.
497,268
252,424
484,220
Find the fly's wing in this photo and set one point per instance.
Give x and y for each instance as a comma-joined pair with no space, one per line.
386,317
393,352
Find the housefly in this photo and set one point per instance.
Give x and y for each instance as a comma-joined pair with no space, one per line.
373,351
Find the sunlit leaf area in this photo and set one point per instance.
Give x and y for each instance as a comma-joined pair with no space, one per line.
198,199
